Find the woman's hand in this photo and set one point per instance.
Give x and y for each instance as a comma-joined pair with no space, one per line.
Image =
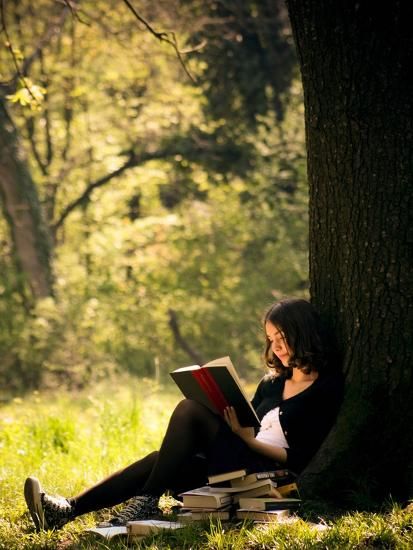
248,435
231,419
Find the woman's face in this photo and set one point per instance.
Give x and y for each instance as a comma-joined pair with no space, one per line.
278,344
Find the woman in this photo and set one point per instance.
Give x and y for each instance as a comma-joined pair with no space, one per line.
297,404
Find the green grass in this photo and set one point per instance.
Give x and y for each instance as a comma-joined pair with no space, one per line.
72,440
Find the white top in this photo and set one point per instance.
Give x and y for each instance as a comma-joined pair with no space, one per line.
271,431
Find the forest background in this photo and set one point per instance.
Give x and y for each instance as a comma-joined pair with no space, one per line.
154,202
153,187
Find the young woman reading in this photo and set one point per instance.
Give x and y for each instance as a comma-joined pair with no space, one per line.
297,403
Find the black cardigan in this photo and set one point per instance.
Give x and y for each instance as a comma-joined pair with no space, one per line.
305,418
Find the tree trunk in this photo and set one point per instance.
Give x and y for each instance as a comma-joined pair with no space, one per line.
23,213
355,60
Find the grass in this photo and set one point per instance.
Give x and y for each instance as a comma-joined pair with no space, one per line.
71,441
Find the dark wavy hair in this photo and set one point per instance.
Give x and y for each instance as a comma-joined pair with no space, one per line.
311,344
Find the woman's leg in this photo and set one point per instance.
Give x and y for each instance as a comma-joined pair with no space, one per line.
118,487
50,512
191,430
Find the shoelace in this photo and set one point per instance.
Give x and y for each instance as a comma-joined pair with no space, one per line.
135,507
56,503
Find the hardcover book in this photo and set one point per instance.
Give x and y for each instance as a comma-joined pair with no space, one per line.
135,528
266,488
227,476
264,484
268,503
217,386
281,477
222,514
262,515
205,497
147,526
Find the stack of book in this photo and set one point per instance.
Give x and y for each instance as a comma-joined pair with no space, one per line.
206,503
261,496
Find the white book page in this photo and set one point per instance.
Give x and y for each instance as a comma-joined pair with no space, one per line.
191,367
109,532
226,361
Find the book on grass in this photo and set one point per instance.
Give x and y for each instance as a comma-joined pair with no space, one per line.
223,514
281,477
135,528
206,509
269,503
217,386
109,532
262,515
205,497
227,476
147,526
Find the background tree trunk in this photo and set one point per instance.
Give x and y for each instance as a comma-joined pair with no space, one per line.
23,212
355,65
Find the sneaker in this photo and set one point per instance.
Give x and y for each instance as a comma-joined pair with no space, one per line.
139,507
47,512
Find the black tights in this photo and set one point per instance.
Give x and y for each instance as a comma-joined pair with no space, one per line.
176,466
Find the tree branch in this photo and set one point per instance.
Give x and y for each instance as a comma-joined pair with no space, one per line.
180,340
168,37
19,74
47,126
22,72
131,162
74,10
30,126
68,106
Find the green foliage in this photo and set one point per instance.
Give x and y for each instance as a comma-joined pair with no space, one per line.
248,58
28,94
71,440
207,222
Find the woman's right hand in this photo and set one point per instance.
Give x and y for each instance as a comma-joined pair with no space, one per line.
231,419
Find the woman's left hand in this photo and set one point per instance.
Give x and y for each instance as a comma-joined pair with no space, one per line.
231,419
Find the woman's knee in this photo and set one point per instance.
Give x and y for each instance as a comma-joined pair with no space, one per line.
189,407
192,413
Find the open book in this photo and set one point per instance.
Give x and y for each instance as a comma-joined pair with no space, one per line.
217,386
133,529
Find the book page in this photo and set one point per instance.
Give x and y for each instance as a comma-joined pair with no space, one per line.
226,362
190,367
109,532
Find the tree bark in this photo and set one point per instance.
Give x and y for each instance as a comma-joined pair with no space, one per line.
355,60
22,210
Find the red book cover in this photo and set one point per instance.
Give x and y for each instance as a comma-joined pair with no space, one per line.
216,385
211,388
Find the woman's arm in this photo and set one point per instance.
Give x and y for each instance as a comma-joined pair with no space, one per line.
248,435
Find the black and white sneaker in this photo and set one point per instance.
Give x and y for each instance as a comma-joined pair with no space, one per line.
139,507
47,512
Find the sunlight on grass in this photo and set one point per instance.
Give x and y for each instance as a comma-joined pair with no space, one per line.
70,441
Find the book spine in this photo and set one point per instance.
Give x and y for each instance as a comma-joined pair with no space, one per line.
203,384
211,388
